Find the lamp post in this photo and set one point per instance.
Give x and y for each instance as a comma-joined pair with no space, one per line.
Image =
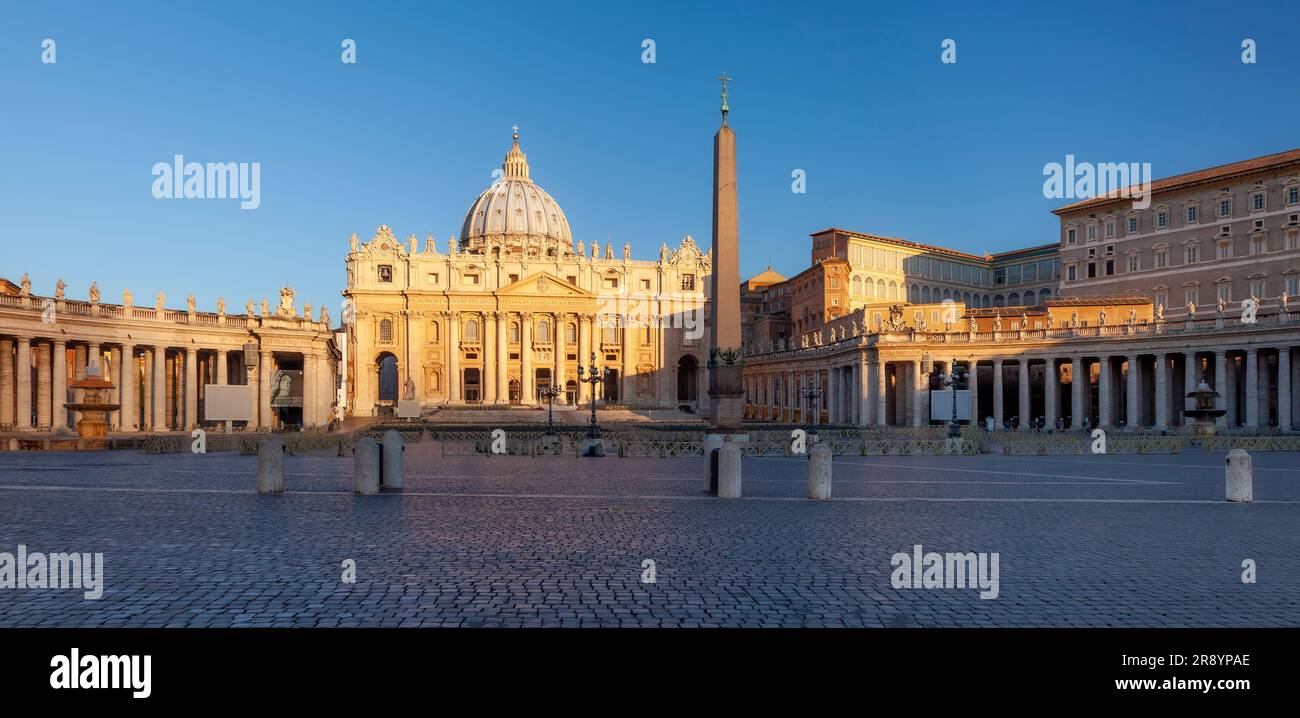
951,379
812,394
593,376
549,391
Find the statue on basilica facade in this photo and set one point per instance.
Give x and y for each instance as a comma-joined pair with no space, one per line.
1221,306
94,293
248,308
1050,320
25,286
582,249
971,325
353,242
266,308
1191,309
408,389
189,304
59,286
324,315
627,251
286,303
1132,315
1101,317
160,303
306,311
1284,301
128,299
221,306
1160,312
997,320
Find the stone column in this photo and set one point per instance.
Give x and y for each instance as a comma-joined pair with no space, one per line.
1191,377
584,355
60,360
265,419
309,389
998,417
223,368
169,386
1221,384
920,409
454,395
95,357
488,377
1051,393
191,387
7,391
160,389
80,354
527,394
557,373
973,383
503,358
1025,408
23,384
126,389
1162,391
1133,408
1252,388
1284,388
881,393
1103,393
627,375
832,395
1078,380
866,410
146,390
44,386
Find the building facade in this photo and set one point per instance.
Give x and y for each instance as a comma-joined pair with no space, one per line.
161,361
1229,232
515,306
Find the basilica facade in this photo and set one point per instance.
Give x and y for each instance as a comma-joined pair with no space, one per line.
513,309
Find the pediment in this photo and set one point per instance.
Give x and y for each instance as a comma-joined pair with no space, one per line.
542,284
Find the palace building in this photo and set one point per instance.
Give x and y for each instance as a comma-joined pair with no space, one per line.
1198,287
515,306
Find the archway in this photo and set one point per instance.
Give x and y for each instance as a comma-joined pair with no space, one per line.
541,380
687,368
472,386
514,391
611,386
387,364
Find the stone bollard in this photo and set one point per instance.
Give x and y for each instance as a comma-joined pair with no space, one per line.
729,471
270,466
1240,476
819,471
711,442
394,466
365,467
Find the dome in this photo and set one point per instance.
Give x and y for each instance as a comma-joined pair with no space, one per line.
517,214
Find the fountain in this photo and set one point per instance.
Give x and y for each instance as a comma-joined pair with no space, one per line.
94,405
1204,413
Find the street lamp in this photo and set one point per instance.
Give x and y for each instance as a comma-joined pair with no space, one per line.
549,392
593,376
812,394
951,379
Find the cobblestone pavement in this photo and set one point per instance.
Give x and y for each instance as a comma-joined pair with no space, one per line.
516,541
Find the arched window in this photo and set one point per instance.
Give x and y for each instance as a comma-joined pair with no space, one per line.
386,330
434,332
543,332
893,290
1013,299
857,286
571,334
514,332
880,288
471,330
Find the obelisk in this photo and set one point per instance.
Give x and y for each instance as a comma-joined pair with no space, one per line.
726,391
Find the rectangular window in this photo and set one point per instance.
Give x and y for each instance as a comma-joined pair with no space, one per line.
1013,274
609,282
1292,284
1225,291
1162,258
1292,195
1162,298
1110,267
1000,275
1256,245
1192,212
1069,236
1257,288
1069,273
1292,240
1092,270
1030,272
433,277
1133,262
1225,207
471,280
572,279
1191,254
1110,229
1132,225
1191,295
1225,250
512,278
1257,202
386,273
1092,233
1162,219
688,282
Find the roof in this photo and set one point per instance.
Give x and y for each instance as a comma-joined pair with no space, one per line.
764,278
1101,299
934,248
1188,179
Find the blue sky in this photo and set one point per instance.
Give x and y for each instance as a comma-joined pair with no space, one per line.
893,141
